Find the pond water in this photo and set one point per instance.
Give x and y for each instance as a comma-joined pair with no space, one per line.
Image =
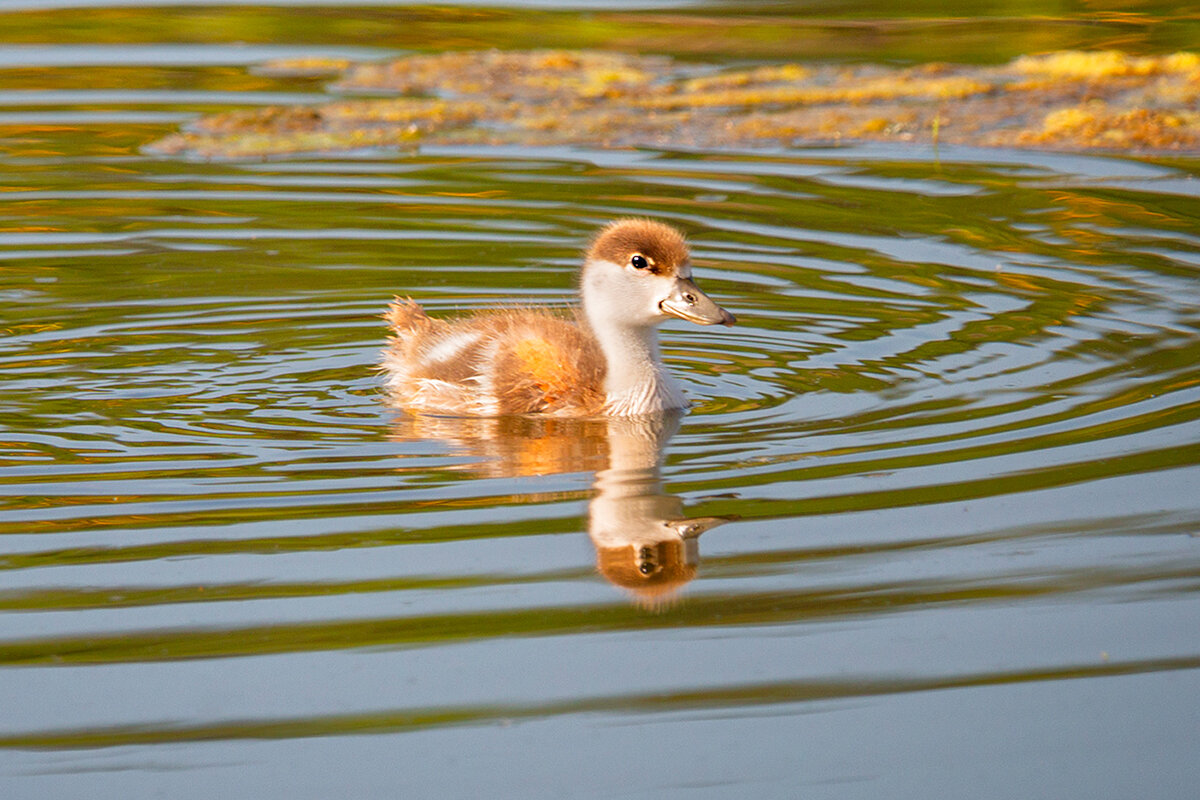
940,483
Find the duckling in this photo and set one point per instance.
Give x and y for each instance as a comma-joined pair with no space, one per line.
606,361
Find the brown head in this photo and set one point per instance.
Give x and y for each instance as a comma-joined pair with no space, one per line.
651,571
639,272
663,248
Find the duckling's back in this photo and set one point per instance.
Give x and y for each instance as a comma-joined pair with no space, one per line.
500,362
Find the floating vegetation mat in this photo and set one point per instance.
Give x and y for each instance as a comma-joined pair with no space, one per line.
1064,100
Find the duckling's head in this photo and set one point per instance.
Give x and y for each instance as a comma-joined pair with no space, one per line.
638,272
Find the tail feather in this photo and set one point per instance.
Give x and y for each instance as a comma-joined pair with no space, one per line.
405,315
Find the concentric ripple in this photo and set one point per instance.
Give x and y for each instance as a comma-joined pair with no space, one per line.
964,389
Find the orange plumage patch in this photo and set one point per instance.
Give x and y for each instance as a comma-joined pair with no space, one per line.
546,367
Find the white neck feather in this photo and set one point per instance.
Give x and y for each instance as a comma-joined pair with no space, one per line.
636,382
623,314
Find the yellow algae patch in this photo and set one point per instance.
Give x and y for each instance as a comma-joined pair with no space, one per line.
502,74
312,66
1096,125
344,125
889,88
431,113
257,145
834,124
1070,99
272,119
1080,65
875,125
729,80
284,119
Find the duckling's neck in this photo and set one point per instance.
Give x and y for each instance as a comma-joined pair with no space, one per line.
636,381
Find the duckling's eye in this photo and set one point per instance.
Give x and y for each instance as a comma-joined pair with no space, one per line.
639,261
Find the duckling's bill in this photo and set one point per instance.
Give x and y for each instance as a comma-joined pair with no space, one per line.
687,302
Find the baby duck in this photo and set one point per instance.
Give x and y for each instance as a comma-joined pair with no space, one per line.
636,274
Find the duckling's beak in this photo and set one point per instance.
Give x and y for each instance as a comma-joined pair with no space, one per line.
692,528
686,301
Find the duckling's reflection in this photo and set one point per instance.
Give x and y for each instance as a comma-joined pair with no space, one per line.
644,542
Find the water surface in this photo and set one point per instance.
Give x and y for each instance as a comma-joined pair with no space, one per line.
944,469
